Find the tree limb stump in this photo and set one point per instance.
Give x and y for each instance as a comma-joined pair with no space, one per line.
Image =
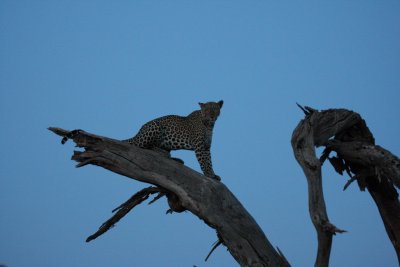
206,198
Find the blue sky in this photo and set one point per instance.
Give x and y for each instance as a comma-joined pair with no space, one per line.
110,66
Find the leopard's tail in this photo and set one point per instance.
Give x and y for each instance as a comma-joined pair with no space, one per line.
131,140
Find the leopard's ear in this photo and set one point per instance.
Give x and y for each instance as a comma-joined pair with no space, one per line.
220,103
201,104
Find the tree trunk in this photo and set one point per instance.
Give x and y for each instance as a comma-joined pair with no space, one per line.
186,189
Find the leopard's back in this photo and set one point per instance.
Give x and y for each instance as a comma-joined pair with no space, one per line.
170,132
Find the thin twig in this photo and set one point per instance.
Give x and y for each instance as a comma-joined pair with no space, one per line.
216,244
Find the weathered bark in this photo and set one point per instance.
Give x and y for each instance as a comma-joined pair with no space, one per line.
373,167
206,198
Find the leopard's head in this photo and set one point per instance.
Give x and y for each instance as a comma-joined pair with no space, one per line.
210,112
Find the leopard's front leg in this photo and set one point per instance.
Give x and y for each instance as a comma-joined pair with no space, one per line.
204,158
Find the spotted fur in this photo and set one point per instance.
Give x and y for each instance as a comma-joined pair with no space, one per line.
193,132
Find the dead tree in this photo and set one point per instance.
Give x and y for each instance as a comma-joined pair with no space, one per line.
184,188
338,130
346,133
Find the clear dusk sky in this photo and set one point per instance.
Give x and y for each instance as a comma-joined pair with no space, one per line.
110,66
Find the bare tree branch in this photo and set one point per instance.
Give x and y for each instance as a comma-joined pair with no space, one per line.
126,207
374,168
187,189
216,244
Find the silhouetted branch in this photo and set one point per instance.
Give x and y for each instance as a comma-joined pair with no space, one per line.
374,168
216,244
124,208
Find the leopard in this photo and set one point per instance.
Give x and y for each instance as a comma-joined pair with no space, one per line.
193,132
